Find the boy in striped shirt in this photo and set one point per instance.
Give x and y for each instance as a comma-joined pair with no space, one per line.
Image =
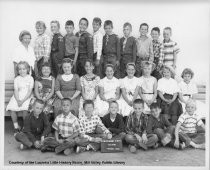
186,131
170,48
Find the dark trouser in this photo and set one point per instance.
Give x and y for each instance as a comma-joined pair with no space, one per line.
81,65
125,119
152,139
97,69
197,138
125,59
161,133
110,59
25,139
55,64
74,69
139,65
173,110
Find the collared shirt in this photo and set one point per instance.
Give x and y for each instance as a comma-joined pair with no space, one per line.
189,122
71,42
169,49
168,86
158,52
36,127
89,125
42,46
145,48
154,123
97,43
111,45
135,125
66,125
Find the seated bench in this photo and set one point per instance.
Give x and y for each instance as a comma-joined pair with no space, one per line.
9,90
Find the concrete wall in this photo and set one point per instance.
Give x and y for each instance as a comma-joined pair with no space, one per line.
190,23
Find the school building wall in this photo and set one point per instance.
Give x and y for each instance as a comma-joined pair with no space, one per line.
189,21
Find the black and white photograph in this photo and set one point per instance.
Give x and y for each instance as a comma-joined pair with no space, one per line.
106,84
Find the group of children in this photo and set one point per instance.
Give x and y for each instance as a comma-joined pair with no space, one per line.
79,100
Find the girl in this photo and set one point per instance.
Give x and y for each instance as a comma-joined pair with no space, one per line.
188,89
42,47
109,90
67,85
130,88
44,89
89,83
168,92
148,86
23,86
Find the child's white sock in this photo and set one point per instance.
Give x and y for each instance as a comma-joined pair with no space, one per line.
16,125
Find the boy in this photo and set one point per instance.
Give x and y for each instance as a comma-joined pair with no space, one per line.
36,128
114,121
85,46
170,48
66,127
97,44
157,50
158,124
71,43
127,48
92,130
186,131
42,47
111,49
144,48
57,48
136,129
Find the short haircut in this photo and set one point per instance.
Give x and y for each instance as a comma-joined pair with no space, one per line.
65,60
66,99
127,24
46,64
131,64
138,101
113,102
27,66
108,22
41,24
23,33
110,66
187,71
144,24
38,101
85,19
89,61
190,102
156,29
86,102
97,20
155,106
170,68
55,22
168,28
69,23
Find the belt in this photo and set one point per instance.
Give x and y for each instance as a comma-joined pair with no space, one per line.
147,93
187,95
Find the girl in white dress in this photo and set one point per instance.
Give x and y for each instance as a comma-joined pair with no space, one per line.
23,86
130,88
148,86
188,89
109,90
89,83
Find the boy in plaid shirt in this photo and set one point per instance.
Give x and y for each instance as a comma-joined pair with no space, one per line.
66,127
92,130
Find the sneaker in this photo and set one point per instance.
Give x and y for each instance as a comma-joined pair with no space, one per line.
166,140
80,149
22,147
200,146
142,145
132,148
68,151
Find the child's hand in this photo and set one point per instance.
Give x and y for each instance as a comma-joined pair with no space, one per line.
19,103
144,138
60,141
176,144
138,137
109,136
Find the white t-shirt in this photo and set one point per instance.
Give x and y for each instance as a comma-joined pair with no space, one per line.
190,88
168,86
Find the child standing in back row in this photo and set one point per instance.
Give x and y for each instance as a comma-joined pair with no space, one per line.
127,49
144,48
85,46
111,49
